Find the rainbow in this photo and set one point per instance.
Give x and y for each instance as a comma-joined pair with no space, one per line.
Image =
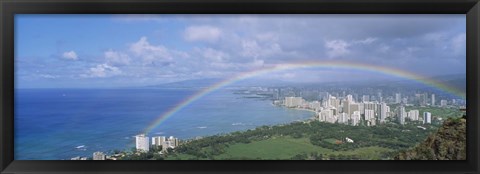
301,65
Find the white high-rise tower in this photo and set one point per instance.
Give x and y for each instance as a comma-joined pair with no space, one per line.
142,143
427,118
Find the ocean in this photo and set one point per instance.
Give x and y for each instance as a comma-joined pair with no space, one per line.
58,124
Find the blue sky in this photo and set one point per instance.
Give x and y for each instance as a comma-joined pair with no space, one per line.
87,51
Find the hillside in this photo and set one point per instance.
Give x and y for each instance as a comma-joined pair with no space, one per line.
314,140
310,140
448,143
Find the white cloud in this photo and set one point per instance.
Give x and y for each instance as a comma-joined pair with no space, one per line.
208,73
116,58
212,54
254,49
202,33
102,70
251,48
337,48
150,53
70,55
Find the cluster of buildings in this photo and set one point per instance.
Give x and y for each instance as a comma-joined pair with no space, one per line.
367,95
346,110
79,158
142,142
98,156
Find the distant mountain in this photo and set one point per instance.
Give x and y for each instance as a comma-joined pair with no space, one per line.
449,76
197,83
448,143
455,80
201,83
458,81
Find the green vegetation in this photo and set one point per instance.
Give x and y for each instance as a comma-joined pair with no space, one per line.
311,140
153,154
448,143
440,112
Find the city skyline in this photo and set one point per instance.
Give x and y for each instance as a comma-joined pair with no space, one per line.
142,50
333,108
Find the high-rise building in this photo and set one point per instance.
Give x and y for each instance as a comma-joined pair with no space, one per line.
315,105
346,106
413,115
289,101
343,118
173,141
443,103
361,108
354,107
99,156
427,118
424,99
383,112
350,98
142,143
355,118
334,111
169,143
401,114
369,114
370,117
398,98
433,99
370,105
334,102
326,115
421,99
293,101
158,141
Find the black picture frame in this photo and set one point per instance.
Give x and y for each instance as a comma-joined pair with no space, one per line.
8,8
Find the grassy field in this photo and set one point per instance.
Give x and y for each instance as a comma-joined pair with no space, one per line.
274,148
286,148
314,140
331,140
437,111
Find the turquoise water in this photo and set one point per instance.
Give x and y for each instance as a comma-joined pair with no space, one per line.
55,124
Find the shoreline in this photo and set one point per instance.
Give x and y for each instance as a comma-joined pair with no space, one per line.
306,119
314,116
299,109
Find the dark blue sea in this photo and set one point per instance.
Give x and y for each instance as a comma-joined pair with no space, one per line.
58,124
